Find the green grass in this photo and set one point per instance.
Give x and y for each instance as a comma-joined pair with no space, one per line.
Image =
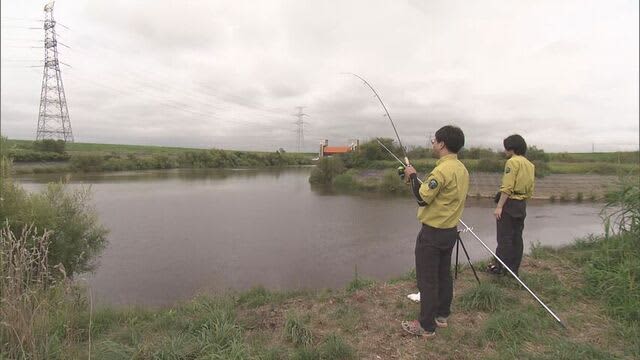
599,168
629,157
516,326
296,331
348,317
485,297
336,348
358,284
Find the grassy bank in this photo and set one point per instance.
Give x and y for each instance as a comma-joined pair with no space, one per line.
497,319
80,157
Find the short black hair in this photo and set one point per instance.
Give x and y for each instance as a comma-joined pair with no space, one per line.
516,143
452,136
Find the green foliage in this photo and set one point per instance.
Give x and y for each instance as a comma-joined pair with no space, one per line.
391,182
255,297
478,153
612,273
87,162
611,263
516,326
348,317
370,152
326,170
296,331
620,157
539,251
419,152
622,208
359,283
76,236
542,168
26,155
485,297
335,348
533,154
50,145
306,353
345,181
490,165
561,349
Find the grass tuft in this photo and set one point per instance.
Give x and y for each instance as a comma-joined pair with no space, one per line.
516,326
485,297
296,331
335,348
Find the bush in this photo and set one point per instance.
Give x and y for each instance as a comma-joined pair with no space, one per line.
391,182
87,162
50,145
76,236
478,153
542,168
533,153
326,170
24,155
29,295
612,268
490,165
345,181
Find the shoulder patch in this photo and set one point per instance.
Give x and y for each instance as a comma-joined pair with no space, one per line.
507,170
433,183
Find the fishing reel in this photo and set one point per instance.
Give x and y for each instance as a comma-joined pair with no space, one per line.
401,172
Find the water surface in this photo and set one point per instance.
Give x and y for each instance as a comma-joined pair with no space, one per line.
177,233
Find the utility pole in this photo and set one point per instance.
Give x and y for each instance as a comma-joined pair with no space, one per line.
300,122
53,117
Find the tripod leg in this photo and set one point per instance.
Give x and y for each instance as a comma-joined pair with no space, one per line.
457,252
469,260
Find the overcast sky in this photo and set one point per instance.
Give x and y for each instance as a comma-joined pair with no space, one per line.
229,74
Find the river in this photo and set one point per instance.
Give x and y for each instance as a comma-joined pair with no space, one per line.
178,233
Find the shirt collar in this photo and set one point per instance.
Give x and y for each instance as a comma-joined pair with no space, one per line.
446,158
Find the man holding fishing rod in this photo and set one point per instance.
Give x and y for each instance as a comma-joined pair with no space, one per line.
441,199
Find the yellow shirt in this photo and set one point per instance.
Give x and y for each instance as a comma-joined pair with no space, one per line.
445,192
518,179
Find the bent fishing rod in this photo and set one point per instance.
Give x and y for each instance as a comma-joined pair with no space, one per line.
467,228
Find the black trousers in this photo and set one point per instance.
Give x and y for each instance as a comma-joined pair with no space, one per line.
509,234
433,272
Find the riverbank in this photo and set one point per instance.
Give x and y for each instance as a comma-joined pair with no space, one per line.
86,157
494,320
555,187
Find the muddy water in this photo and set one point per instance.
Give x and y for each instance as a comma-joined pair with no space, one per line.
174,234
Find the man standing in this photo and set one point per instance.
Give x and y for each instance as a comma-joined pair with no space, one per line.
441,200
517,186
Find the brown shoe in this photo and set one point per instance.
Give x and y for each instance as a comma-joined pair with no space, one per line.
413,327
441,322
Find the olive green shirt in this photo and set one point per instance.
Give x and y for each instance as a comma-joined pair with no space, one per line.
518,180
445,192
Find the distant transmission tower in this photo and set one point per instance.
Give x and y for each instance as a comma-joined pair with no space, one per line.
300,124
53,117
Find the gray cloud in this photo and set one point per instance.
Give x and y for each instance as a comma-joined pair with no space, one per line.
230,74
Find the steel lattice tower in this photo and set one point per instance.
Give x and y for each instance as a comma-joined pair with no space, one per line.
300,123
53,117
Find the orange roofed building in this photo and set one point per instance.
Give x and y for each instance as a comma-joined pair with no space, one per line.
326,150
